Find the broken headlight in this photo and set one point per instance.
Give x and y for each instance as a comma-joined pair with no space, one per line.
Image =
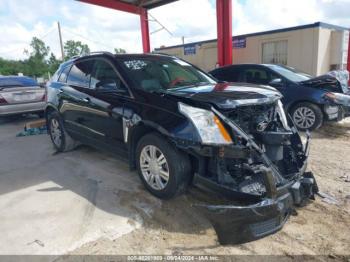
208,125
282,115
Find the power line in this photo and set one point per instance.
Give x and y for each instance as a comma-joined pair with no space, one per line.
87,39
28,44
162,26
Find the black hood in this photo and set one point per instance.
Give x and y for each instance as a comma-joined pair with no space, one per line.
225,95
325,82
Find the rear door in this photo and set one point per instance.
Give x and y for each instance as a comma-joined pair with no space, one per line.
74,99
92,103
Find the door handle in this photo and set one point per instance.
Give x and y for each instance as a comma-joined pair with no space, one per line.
86,100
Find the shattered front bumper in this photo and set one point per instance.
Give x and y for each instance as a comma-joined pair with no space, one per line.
239,224
236,224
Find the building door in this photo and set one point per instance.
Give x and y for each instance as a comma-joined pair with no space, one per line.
275,52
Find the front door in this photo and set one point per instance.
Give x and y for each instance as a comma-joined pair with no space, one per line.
109,94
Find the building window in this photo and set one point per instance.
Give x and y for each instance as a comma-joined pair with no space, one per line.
275,52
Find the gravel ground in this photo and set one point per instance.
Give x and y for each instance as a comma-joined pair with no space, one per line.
321,228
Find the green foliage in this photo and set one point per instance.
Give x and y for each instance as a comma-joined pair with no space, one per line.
74,48
37,59
40,50
53,64
119,51
11,67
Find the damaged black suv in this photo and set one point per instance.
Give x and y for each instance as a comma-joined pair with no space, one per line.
178,126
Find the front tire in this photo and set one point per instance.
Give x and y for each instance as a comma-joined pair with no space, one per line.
307,116
61,140
163,169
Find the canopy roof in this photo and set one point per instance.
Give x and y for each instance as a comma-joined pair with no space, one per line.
131,6
148,4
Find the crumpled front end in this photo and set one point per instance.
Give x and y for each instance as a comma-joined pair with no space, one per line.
261,175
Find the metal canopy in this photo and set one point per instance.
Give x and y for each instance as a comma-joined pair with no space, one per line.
137,7
140,7
130,6
148,4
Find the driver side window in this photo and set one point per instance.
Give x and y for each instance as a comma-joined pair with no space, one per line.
105,78
256,76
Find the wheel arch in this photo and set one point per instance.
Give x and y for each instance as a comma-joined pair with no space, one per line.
290,106
136,133
318,110
49,109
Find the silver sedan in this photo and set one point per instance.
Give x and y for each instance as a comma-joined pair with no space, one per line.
19,95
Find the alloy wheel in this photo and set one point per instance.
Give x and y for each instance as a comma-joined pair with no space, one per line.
55,132
304,117
154,167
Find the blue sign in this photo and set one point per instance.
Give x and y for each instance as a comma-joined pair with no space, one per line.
190,50
239,43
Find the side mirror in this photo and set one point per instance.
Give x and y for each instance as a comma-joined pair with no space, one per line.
277,82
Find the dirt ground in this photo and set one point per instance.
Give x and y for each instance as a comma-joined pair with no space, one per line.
87,202
321,228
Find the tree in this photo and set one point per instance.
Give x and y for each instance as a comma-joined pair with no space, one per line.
39,49
74,48
11,67
53,64
36,64
119,51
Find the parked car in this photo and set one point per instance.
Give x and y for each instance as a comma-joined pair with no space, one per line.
19,95
309,100
178,127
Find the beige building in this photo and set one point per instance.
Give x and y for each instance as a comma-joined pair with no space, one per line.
315,48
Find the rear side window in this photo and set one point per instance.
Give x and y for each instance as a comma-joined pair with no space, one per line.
8,82
80,74
64,75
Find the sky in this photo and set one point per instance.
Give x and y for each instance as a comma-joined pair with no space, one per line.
105,29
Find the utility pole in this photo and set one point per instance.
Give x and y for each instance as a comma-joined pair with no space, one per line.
183,40
60,36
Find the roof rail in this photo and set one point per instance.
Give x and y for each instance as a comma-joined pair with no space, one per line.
100,52
92,53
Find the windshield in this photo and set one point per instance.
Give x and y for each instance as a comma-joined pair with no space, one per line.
290,73
8,82
159,73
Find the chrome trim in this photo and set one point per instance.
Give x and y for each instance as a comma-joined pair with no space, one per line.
66,106
125,129
283,116
85,127
249,102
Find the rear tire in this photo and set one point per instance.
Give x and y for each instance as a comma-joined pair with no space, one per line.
307,116
61,140
163,169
